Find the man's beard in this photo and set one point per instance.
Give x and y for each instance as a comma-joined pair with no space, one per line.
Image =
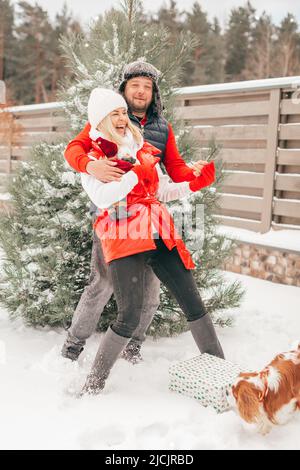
143,108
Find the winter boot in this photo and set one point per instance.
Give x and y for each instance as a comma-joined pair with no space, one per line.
205,336
109,350
72,348
132,352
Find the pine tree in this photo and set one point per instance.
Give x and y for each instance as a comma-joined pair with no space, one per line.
7,46
206,64
45,239
64,24
215,70
170,18
287,48
30,60
197,23
47,258
33,54
260,58
238,39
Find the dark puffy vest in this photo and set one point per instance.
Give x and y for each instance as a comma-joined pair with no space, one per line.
155,131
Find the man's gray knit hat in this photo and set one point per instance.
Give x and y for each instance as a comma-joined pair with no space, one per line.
140,68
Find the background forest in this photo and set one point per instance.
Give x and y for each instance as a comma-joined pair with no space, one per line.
250,47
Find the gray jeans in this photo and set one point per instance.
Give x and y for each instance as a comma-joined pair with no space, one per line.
98,292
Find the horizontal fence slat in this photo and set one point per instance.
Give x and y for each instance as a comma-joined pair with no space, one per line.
289,208
50,122
253,225
4,166
20,152
247,179
288,157
30,138
225,121
289,131
287,182
255,108
239,202
291,106
250,156
4,152
241,190
223,133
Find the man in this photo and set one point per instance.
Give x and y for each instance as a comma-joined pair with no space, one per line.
140,90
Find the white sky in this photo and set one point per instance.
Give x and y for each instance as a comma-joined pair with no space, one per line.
86,9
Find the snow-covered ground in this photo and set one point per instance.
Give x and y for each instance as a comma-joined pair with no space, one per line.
136,410
282,239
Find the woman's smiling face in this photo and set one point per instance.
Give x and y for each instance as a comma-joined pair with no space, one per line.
119,119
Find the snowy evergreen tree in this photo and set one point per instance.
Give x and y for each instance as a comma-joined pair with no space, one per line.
287,48
47,237
259,62
238,40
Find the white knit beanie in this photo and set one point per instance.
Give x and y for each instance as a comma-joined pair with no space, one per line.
103,101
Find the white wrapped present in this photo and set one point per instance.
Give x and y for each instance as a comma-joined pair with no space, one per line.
204,378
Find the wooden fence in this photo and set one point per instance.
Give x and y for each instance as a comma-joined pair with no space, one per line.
256,122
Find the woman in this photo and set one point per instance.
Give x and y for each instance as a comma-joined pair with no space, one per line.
145,237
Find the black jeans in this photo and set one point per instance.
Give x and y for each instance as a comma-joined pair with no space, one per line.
128,281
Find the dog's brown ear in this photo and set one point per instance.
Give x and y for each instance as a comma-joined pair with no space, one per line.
264,378
248,401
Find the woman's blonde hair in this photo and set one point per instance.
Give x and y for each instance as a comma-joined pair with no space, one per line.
106,126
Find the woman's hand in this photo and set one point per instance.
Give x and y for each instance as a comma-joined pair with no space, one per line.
104,170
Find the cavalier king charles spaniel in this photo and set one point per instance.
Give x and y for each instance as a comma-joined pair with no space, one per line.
271,396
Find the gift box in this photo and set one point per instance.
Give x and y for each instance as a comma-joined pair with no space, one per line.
204,378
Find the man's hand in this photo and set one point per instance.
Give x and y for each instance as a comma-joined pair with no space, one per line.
104,170
207,177
197,166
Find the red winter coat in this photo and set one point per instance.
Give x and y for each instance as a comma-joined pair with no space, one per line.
125,237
